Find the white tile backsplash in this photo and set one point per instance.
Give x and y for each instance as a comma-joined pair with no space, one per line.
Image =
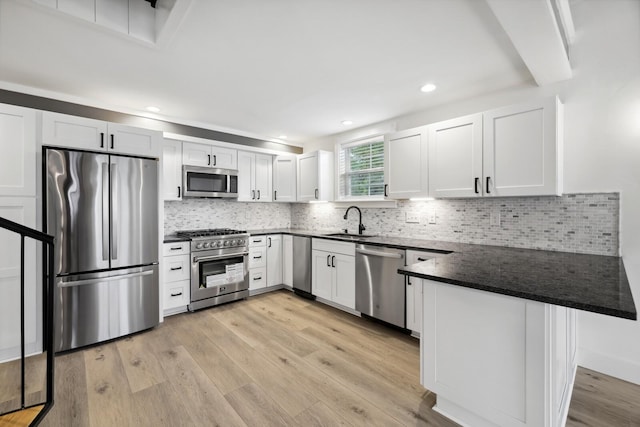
583,223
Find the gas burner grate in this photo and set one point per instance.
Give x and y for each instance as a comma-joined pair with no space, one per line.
209,232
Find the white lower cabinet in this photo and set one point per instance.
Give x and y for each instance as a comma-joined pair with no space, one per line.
333,272
176,273
257,264
23,211
413,292
274,260
496,360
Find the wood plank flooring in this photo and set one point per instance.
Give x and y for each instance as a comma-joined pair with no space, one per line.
280,360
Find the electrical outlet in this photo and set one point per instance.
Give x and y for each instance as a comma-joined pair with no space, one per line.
494,218
412,218
431,216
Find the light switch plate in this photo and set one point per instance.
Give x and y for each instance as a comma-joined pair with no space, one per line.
413,218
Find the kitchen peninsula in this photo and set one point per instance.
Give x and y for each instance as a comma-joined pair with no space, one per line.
499,346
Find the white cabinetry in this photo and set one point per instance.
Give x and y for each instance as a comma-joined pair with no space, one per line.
17,151
88,134
171,170
333,272
287,260
274,260
257,264
206,155
176,268
405,164
509,151
255,174
315,176
284,179
455,157
413,287
496,360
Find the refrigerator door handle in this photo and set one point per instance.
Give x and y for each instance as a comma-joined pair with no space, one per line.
105,211
114,211
103,279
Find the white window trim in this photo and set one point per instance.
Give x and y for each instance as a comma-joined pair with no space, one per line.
348,144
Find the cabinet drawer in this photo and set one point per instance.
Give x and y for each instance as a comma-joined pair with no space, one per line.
414,257
257,257
257,278
345,248
175,248
176,294
176,268
257,241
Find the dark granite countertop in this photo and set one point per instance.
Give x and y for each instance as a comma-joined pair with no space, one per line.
593,283
171,238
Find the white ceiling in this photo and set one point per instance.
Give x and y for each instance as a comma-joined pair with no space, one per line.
269,67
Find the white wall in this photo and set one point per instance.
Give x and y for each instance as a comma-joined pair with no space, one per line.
602,151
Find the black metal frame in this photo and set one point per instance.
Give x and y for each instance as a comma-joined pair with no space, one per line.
47,304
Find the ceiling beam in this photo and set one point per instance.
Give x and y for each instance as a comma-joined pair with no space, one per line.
532,27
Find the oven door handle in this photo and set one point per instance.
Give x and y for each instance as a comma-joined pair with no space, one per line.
212,257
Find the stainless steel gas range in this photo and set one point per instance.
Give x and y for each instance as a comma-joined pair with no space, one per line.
219,266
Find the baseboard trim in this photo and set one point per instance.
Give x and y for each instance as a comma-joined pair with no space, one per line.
623,369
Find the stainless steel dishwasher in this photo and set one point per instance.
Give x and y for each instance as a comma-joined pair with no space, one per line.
380,290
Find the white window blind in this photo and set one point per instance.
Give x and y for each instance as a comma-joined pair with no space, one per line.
361,169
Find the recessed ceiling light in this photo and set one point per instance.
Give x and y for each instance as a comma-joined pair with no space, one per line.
153,109
282,137
347,122
429,87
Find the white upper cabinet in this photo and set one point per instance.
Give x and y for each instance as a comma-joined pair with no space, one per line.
284,179
17,151
522,150
255,174
455,157
172,170
405,164
315,176
88,134
509,151
205,155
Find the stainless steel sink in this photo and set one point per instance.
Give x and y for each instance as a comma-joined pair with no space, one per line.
350,236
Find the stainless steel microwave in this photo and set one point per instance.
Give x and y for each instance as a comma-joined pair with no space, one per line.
209,182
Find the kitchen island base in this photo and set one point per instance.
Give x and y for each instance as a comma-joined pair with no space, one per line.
497,360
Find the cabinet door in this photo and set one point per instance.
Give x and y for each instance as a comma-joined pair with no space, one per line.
134,141
257,257
224,158
308,177
62,130
284,179
344,288
414,304
17,151
263,176
196,154
523,149
287,260
321,274
455,157
246,177
274,260
176,268
406,164
23,211
171,170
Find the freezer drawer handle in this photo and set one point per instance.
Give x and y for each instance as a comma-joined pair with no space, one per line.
380,254
104,279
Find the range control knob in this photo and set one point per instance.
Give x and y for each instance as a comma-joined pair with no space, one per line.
226,243
232,243
206,244
198,245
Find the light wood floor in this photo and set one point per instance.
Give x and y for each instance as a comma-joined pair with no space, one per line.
275,359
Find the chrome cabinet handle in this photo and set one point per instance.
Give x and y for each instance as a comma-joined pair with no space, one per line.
176,295
176,268
104,279
257,278
253,194
258,194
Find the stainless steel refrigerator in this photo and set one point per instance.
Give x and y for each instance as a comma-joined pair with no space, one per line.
103,212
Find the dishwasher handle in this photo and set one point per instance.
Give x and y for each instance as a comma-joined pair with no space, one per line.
395,255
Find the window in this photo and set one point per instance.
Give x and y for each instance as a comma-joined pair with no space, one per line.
361,169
